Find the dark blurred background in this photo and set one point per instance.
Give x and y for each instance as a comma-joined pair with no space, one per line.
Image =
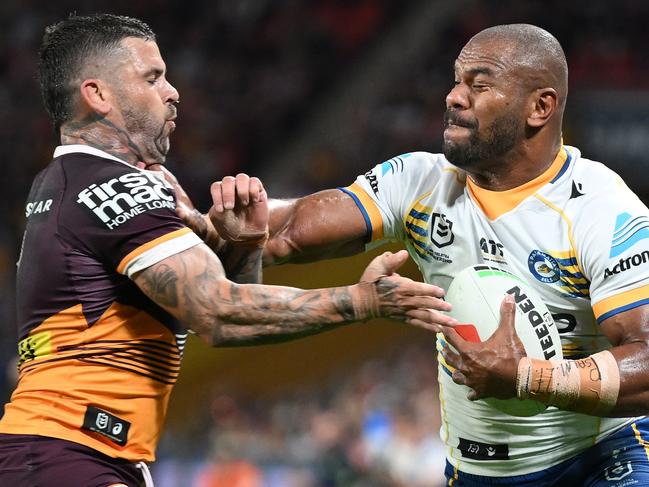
307,94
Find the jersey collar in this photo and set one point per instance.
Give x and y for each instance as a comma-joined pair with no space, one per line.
63,150
497,203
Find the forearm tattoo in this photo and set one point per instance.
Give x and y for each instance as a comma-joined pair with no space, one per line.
197,223
242,264
192,286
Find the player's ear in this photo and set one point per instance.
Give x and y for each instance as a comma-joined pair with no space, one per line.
94,95
543,103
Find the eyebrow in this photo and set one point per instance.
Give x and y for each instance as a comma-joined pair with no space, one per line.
486,70
157,72
481,70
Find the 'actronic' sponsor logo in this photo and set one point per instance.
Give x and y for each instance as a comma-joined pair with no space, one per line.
120,199
628,263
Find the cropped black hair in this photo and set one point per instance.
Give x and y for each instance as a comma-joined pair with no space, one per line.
67,45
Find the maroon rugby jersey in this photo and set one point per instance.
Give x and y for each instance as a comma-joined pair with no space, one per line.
98,359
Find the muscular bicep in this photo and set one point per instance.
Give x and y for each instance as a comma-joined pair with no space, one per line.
322,225
631,326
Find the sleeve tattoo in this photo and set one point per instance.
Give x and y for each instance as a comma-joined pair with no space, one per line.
192,286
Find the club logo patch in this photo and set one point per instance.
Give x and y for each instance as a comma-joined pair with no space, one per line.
543,267
618,471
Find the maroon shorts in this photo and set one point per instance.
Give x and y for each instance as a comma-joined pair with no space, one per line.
39,461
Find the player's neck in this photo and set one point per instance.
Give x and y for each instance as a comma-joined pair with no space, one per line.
101,133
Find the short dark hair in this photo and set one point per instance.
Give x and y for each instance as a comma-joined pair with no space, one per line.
67,45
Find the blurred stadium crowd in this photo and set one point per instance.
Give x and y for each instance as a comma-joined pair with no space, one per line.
371,427
251,74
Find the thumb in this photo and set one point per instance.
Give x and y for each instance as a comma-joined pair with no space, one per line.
508,314
391,262
384,265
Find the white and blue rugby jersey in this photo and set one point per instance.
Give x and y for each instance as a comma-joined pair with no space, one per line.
576,233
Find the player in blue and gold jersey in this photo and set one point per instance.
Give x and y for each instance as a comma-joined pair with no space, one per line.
507,192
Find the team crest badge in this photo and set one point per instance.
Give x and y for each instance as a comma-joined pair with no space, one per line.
618,471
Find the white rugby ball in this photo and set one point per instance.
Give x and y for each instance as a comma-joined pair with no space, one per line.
476,294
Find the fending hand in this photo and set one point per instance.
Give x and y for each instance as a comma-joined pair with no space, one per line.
401,298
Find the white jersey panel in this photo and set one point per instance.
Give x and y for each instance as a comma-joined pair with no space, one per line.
559,233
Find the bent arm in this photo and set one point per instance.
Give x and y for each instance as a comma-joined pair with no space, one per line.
323,225
629,334
612,383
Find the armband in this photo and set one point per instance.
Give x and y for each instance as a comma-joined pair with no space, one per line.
590,385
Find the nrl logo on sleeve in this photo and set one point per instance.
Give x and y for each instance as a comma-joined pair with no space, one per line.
441,230
119,199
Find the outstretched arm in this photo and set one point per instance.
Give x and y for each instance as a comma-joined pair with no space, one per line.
192,286
322,225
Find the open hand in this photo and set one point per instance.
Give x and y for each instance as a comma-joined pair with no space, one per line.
401,298
489,368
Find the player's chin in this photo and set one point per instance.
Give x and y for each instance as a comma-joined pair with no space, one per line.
456,140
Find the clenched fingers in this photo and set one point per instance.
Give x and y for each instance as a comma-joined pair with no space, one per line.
239,190
257,191
242,186
218,188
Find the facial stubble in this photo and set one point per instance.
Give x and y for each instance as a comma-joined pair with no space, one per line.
501,137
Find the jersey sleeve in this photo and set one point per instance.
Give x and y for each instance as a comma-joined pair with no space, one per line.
123,216
384,194
614,233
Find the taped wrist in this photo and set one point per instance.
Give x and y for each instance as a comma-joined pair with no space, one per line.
590,385
365,301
